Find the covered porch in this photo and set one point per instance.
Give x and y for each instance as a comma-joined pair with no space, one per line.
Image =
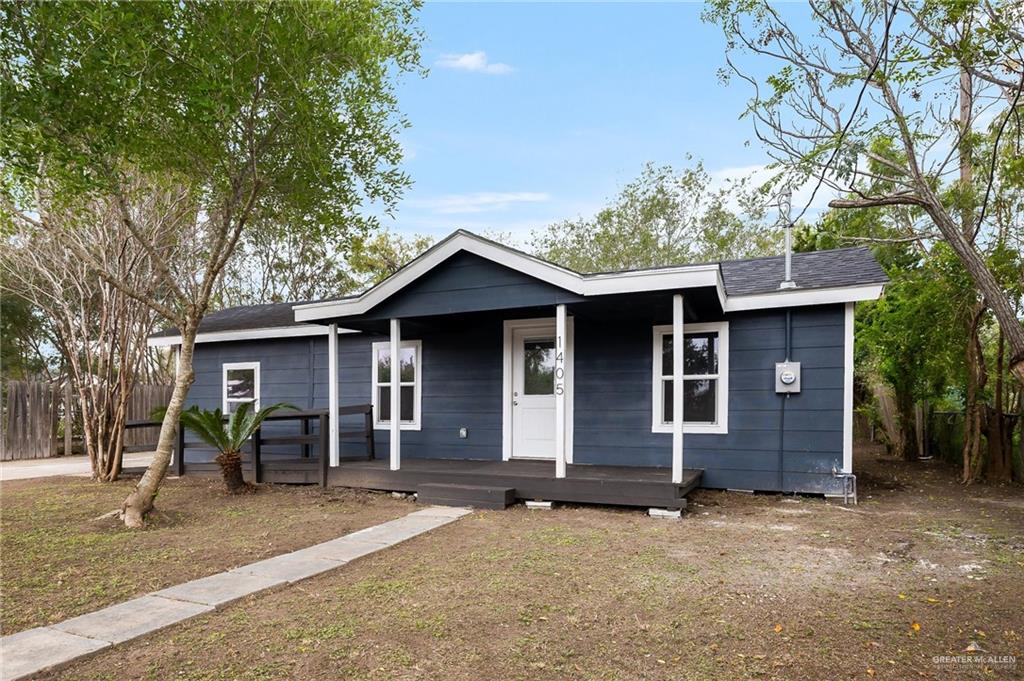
530,480
484,373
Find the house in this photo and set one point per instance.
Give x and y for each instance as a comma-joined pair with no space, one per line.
516,373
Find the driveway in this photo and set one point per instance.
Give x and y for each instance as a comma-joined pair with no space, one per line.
64,465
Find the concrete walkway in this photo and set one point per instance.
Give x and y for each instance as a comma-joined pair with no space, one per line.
45,648
64,465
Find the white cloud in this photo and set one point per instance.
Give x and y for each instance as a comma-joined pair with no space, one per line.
473,61
478,202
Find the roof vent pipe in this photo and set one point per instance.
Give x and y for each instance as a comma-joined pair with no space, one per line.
785,203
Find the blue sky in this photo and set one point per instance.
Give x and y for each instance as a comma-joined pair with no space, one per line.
533,113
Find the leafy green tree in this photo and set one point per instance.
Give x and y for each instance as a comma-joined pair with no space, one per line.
823,96
22,337
376,257
664,217
225,114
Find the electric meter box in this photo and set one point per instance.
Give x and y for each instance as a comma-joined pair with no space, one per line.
787,377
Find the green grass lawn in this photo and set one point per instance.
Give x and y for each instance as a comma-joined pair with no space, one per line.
58,561
743,587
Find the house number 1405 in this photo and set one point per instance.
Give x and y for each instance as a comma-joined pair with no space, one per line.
559,368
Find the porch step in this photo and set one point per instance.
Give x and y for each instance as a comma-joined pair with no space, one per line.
477,496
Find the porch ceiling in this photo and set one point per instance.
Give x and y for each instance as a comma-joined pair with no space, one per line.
701,305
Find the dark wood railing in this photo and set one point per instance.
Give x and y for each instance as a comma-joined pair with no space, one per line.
304,439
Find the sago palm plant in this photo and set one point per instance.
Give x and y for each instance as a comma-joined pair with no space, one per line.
228,438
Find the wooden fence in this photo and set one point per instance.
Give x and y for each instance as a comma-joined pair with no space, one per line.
30,416
32,412
145,398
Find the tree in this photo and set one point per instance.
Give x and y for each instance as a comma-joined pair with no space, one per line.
664,217
23,333
277,264
897,71
228,438
99,331
243,113
930,339
375,258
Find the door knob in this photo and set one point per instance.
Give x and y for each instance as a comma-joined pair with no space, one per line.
515,403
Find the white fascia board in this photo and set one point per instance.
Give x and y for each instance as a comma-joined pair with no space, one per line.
798,298
651,280
601,284
296,331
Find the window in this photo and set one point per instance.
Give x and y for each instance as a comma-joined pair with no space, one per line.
539,366
241,384
409,377
705,378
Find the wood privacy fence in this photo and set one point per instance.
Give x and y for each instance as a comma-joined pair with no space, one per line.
30,416
32,412
145,398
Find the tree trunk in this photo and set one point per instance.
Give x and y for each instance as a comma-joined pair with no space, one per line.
140,502
908,425
976,379
986,283
231,470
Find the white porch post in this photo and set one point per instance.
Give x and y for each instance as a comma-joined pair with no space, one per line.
561,347
677,388
396,389
332,391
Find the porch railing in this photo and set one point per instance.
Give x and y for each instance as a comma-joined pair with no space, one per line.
304,439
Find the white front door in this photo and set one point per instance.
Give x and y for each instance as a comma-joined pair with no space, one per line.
533,392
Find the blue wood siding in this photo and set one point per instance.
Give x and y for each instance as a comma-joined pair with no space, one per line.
462,375
613,395
466,283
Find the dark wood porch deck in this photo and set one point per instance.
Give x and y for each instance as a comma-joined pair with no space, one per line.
614,485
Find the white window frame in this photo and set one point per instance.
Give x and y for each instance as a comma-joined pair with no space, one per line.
721,424
230,366
417,346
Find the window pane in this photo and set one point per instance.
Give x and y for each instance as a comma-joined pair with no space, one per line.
666,355
233,406
408,359
539,367
383,403
699,401
701,356
666,401
384,365
407,394
241,383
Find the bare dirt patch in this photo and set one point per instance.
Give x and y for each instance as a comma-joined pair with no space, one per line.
597,593
57,561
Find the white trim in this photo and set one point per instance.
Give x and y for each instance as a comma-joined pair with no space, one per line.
561,354
395,438
721,426
546,324
797,297
417,393
246,334
686,276
229,366
678,419
848,388
332,392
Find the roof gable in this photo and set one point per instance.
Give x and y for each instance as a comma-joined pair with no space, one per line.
465,282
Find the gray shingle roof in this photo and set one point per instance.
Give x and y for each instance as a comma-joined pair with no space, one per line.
244,317
818,269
